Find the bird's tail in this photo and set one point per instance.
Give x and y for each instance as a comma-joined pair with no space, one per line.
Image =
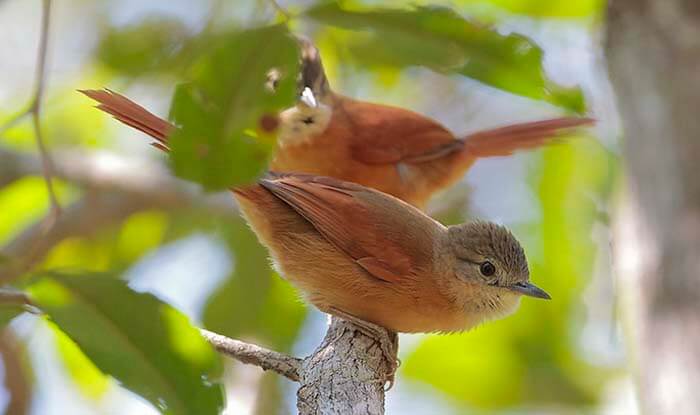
132,114
503,141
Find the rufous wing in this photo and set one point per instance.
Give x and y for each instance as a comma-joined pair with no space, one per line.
346,221
382,134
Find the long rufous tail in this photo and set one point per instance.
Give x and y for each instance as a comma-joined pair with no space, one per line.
132,114
503,141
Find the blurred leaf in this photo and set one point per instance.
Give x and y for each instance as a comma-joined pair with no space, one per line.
234,309
219,109
282,315
254,301
93,253
547,8
149,46
8,313
442,40
141,233
91,381
147,345
22,203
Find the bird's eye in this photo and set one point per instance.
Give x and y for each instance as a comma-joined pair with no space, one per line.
487,269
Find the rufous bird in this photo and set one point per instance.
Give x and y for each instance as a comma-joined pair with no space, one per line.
362,254
391,149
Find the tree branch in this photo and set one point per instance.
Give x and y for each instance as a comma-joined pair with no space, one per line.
12,297
35,110
251,354
17,382
345,374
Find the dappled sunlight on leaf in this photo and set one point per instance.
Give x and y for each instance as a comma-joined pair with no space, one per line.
91,381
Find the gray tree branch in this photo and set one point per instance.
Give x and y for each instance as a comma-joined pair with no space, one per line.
346,374
251,354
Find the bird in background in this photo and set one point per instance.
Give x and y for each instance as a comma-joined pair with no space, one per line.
391,149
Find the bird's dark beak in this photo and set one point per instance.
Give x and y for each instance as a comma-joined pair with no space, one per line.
529,289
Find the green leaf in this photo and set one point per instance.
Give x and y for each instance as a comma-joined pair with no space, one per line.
549,8
266,307
148,346
283,314
219,109
154,46
243,293
89,379
442,40
8,313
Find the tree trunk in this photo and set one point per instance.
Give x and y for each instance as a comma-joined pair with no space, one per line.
653,52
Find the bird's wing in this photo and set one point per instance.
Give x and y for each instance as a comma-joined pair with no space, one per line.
348,221
383,134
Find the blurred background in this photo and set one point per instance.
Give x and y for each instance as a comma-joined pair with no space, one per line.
132,219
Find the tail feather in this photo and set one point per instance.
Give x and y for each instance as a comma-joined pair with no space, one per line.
132,114
504,141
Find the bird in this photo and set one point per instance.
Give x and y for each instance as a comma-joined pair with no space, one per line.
367,256
391,149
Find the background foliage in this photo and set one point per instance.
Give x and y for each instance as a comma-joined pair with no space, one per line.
119,291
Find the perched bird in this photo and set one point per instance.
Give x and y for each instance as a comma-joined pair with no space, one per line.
391,149
361,254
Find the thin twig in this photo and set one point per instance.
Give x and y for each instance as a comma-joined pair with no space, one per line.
18,298
13,297
251,354
35,110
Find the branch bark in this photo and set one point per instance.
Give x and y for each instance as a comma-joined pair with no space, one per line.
346,374
251,354
654,55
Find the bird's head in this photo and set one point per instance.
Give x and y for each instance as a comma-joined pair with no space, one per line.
490,269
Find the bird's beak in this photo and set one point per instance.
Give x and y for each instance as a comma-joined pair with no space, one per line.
529,289
307,98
